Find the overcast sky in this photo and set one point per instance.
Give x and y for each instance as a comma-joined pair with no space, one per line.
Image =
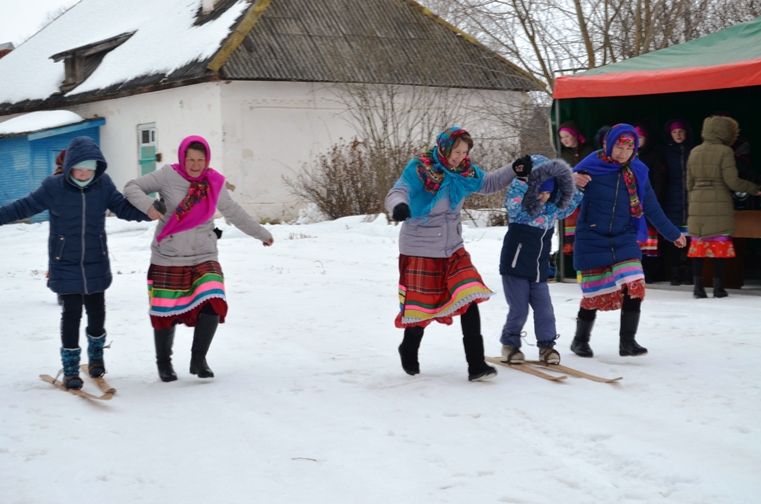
21,19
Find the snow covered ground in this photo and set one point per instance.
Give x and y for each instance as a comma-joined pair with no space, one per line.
310,404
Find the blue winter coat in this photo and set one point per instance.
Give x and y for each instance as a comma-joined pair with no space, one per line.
605,231
528,241
77,251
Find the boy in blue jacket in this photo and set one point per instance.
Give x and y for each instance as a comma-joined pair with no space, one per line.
542,192
78,265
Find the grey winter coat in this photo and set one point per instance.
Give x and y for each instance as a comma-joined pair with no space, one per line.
196,245
711,176
439,234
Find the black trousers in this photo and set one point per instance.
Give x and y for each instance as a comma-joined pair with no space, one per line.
71,315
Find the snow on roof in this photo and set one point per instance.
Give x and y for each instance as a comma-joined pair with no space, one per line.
165,39
37,121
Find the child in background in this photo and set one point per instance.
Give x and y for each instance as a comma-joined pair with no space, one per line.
542,192
78,265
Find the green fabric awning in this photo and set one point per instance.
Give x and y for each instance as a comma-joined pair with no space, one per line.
730,58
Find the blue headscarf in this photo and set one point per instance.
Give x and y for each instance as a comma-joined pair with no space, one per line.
601,163
428,177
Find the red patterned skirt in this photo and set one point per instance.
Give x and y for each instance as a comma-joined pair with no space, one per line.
720,247
437,289
177,294
604,288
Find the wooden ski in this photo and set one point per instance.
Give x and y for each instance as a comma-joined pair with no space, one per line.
559,368
527,369
101,382
78,392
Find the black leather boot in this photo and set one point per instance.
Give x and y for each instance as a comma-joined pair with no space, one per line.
204,332
698,291
628,346
718,279
164,339
580,344
409,348
478,369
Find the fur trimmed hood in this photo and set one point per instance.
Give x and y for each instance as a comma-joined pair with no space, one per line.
564,186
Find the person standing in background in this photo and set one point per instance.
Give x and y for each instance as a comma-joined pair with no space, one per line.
711,176
676,150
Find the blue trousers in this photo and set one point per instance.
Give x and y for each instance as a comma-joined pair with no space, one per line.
521,293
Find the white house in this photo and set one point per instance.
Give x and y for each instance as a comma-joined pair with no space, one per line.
265,81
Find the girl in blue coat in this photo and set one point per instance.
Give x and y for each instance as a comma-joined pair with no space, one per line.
611,222
78,270
542,192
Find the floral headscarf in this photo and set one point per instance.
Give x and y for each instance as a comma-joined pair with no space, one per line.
428,177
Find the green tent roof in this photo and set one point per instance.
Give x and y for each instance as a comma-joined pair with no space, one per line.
726,59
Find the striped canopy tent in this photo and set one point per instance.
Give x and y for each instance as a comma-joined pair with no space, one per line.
718,73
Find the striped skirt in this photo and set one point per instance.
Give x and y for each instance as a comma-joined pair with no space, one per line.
649,247
604,288
437,289
177,294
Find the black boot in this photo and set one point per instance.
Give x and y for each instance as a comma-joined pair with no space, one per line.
580,344
473,342
698,291
478,369
409,348
718,279
629,324
202,336
164,339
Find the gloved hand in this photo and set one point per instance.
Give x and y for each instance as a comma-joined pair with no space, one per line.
160,206
401,212
522,166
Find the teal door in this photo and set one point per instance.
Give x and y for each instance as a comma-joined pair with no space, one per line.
146,141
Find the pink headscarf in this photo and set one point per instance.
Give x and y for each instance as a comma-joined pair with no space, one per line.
573,132
200,202
676,125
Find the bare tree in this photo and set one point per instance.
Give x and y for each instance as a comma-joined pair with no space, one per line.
551,37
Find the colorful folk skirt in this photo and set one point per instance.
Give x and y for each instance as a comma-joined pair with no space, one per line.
177,294
604,288
437,289
569,232
649,247
720,247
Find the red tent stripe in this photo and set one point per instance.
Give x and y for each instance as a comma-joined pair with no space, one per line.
680,80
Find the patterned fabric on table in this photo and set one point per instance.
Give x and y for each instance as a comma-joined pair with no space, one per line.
437,289
720,247
604,288
178,293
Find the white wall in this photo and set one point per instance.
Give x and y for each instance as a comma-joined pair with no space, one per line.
260,131
176,113
272,129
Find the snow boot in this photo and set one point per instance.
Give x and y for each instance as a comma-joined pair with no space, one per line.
580,344
628,346
95,345
163,339
70,360
512,355
478,369
548,355
206,327
718,279
408,350
698,291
